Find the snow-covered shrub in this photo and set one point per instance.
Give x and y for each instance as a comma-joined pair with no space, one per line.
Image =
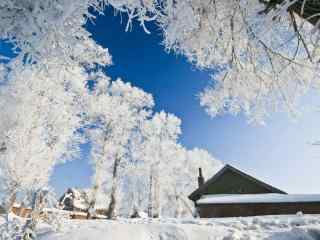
11,229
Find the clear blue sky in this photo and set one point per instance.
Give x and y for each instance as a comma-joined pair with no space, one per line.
278,153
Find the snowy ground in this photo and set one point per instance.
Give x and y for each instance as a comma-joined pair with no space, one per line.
298,227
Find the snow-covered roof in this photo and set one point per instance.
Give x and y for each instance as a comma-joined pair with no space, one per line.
82,197
196,195
257,198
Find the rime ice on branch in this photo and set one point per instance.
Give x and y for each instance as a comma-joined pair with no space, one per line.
265,54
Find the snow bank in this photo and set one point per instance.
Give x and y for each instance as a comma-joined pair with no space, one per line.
296,227
258,198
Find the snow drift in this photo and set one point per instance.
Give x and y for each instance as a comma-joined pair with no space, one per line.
298,227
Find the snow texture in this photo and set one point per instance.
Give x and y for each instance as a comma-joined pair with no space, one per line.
258,198
296,227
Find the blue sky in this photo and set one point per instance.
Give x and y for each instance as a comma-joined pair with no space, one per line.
279,153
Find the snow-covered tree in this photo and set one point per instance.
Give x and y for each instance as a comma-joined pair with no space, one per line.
160,134
264,57
51,30
166,170
178,178
38,119
42,109
118,110
132,148
264,54
44,90
163,172
187,177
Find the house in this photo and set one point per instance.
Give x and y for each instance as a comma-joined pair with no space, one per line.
21,211
74,200
233,193
78,201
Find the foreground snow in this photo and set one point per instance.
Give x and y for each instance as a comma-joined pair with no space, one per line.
298,227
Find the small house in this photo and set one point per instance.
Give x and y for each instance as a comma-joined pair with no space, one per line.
77,202
233,193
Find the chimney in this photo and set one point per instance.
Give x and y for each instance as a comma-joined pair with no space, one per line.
200,178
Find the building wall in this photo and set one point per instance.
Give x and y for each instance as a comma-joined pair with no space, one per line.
21,212
252,209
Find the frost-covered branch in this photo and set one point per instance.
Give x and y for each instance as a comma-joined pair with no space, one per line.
264,53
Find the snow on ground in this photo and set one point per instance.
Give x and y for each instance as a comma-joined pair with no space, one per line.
297,227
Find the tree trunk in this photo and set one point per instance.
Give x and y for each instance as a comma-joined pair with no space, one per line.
177,212
150,200
154,207
187,206
30,226
157,200
91,211
113,201
11,201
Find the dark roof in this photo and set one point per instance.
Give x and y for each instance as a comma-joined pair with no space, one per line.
197,193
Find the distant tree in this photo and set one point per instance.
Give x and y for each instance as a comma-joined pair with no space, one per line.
188,177
160,134
118,109
133,148
171,171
